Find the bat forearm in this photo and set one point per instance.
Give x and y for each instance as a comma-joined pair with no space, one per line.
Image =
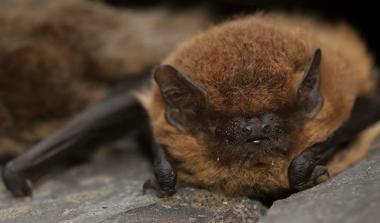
309,165
105,121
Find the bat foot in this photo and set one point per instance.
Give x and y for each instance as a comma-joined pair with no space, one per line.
309,178
16,182
152,185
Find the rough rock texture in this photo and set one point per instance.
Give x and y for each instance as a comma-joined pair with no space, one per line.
351,197
109,189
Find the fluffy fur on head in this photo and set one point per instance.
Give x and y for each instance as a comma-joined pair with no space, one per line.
252,66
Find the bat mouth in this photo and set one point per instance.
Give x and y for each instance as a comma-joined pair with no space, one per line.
256,140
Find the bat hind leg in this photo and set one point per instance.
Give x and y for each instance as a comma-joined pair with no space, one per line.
108,120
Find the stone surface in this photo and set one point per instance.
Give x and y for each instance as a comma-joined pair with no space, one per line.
351,197
109,189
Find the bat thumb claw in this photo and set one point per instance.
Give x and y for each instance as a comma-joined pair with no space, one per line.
16,182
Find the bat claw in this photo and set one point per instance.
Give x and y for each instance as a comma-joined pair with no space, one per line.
152,185
16,182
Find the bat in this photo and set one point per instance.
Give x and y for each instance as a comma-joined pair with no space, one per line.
249,107
256,106
59,57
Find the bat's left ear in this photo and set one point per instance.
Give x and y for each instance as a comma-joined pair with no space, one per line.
309,94
185,101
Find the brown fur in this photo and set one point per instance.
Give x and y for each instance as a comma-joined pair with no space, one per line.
57,57
255,64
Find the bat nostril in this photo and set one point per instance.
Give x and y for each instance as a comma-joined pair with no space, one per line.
247,129
266,128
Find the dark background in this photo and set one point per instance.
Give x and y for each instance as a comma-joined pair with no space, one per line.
363,15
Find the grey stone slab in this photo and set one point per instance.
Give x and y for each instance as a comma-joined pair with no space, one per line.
351,197
109,189
82,194
158,213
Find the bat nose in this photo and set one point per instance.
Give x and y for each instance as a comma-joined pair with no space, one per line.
241,130
256,131
255,126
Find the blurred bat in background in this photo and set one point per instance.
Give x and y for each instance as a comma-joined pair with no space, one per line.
59,57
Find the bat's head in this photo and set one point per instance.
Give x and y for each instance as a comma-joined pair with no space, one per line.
243,100
244,133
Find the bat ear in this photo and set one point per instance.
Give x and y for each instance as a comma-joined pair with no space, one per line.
309,94
185,101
